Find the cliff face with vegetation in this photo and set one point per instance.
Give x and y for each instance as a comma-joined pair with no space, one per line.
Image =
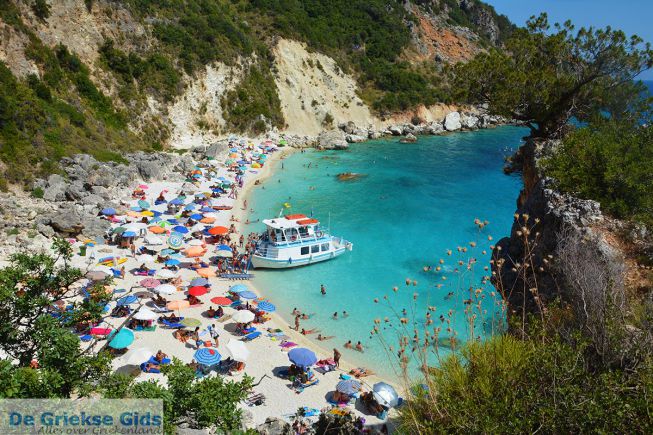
102,77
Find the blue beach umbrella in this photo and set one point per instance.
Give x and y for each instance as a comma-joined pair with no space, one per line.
135,209
168,252
173,262
129,234
176,240
109,211
266,306
207,356
302,357
143,204
223,248
172,221
196,216
177,201
238,288
348,386
206,209
199,282
180,229
247,295
122,339
130,299
156,213
190,207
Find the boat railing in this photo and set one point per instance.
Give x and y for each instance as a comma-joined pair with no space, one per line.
267,251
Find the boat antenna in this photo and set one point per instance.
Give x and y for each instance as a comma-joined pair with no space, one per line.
280,213
329,224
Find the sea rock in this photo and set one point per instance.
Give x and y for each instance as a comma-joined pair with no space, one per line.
56,188
410,138
435,128
469,122
332,140
374,134
452,122
353,138
396,130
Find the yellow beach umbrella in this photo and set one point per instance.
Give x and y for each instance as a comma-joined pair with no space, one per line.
147,213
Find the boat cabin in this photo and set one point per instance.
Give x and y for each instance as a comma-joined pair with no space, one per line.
294,228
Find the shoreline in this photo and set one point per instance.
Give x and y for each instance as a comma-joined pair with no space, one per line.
276,318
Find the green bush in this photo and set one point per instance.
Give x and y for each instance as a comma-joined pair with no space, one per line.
609,162
41,9
38,192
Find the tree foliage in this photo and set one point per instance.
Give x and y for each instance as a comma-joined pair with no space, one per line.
30,331
546,76
610,162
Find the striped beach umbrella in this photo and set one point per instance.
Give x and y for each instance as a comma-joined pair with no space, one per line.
130,299
150,282
247,295
207,356
238,288
266,306
175,240
348,386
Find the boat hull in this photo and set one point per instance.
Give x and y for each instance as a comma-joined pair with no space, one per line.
260,262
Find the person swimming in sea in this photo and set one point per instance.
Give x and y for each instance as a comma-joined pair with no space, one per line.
335,316
348,345
324,338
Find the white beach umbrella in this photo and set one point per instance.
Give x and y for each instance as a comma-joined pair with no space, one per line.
153,240
196,228
195,242
214,202
138,356
102,268
237,350
135,226
145,314
165,289
165,274
243,316
385,394
211,214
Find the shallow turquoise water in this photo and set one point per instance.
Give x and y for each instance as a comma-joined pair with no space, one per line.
412,204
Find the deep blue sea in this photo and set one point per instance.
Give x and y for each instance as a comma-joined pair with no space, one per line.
412,203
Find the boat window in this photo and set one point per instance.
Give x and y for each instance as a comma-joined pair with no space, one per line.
303,231
315,248
325,247
304,250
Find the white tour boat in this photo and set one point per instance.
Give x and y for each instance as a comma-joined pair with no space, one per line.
296,240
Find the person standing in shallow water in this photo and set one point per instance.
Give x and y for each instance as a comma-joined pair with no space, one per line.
323,290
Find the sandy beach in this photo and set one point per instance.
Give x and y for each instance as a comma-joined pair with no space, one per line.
266,356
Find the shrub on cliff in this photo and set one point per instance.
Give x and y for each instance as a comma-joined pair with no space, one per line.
609,162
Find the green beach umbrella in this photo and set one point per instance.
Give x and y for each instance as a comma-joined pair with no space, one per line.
119,230
190,322
122,339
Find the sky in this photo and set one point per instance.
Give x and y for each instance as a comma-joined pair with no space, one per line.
631,16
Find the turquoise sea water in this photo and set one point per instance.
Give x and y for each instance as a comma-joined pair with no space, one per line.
412,203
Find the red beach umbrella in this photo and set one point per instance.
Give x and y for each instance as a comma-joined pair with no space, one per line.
197,291
218,231
221,300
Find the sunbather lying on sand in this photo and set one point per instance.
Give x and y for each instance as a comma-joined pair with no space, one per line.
361,372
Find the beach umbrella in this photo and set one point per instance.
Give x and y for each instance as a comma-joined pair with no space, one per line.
177,305
122,339
165,274
119,230
302,357
168,251
126,300
190,207
243,316
190,322
177,201
348,386
143,204
385,394
176,240
266,306
109,211
129,234
147,213
196,242
207,220
145,314
153,240
103,268
138,356
199,281
196,228
194,251
155,229
238,288
197,291
150,282
173,262
218,231
180,229
247,295
256,165
146,258
207,356
221,300
223,248
237,350
96,275
224,254
205,272
165,289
